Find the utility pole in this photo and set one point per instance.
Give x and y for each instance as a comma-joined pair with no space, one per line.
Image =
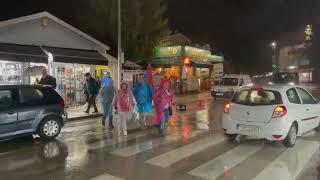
119,44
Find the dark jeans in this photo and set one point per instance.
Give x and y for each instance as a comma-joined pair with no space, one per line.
87,97
110,121
92,102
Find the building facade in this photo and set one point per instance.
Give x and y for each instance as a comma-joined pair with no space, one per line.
45,40
294,55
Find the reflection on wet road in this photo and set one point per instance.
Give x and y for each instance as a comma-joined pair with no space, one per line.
194,149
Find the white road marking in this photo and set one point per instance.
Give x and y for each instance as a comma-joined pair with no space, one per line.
115,140
169,158
291,162
106,177
216,167
147,145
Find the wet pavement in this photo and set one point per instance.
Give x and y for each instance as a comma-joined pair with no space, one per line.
193,149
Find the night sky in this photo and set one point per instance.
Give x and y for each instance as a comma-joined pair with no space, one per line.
241,30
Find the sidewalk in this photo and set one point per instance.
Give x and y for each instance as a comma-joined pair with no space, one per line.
77,113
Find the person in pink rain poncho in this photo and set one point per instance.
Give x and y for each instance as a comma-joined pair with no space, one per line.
163,98
124,104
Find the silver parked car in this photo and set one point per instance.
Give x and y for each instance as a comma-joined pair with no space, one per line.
27,109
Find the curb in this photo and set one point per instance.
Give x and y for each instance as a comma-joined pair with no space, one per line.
85,117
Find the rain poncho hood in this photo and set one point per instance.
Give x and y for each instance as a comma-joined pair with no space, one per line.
143,95
124,99
162,96
106,80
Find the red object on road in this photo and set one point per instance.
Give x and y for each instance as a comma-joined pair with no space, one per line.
201,104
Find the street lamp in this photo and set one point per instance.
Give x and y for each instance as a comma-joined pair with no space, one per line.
273,45
119,44
274,63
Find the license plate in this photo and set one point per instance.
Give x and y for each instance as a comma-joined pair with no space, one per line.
219,94
247,128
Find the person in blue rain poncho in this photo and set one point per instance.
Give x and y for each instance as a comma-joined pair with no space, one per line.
106,79
143,93
106,97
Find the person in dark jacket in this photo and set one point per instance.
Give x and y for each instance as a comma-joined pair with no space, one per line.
47,79
92,88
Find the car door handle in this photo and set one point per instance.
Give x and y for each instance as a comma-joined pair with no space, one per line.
11,112
307,109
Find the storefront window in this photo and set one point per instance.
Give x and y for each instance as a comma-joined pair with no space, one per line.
70,82
305,77
10,72
33,78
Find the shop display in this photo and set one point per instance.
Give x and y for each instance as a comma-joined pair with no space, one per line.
10,72
70,82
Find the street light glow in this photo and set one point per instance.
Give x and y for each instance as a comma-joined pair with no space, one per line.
291,67
273,44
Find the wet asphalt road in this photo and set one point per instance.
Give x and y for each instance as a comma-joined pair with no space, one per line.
193,149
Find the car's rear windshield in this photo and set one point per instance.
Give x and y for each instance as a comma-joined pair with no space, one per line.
229,81
257,97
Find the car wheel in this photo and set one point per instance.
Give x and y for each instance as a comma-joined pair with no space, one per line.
50,128
291,138
317,128
231,136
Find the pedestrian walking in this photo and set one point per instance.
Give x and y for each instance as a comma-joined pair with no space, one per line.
143,93
106,96
163,98
92,88
86,94
124,104
47,79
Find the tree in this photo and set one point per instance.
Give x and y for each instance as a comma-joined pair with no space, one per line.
143,25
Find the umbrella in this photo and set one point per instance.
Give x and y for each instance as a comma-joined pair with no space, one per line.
149,74
34,71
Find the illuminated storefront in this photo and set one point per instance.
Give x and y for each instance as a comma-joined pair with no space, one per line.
45,40
68,66
193,66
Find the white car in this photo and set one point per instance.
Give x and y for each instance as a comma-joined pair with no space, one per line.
230,84
272,112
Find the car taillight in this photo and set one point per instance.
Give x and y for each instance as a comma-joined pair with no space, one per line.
226,108
63,106
279,111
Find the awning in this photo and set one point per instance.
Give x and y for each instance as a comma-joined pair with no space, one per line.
201,63
163,61
76,56
131,64
175,61
22,53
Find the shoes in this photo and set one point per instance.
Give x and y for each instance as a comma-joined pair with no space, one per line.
161,132
111,127
86,112
94,112
125,133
